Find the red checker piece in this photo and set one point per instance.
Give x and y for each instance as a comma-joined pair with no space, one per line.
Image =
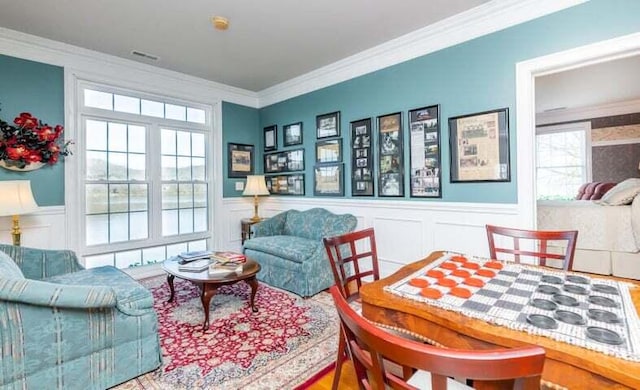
431,293
459,259
474,282
448,265
416,282
447,282
486,273
463,273
471,265
460,292
434,273
494,265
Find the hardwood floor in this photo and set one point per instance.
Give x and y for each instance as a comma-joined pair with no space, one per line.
347,379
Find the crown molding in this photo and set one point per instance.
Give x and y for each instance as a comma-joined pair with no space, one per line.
588,112
30,47
482,20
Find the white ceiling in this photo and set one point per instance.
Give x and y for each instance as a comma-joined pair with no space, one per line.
593,85
268,42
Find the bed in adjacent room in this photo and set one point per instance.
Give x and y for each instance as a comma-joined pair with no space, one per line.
608,229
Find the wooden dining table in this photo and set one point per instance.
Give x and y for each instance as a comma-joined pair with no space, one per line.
566,366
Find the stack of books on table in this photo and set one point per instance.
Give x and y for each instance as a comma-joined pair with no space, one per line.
194,266
225,263
186,257
229,257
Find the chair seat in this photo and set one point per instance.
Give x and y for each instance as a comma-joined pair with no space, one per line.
292,248
422,380
130,294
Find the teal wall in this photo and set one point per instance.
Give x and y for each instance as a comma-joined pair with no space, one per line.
240,125
27,86
474,76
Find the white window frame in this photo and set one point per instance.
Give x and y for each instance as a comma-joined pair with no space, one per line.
75,170
563,128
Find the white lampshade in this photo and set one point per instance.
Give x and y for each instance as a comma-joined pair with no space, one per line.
255,186
16,198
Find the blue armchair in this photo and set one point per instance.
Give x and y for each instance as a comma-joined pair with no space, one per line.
290,250
66,327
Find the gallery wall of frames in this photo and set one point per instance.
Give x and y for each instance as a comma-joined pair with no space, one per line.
376,150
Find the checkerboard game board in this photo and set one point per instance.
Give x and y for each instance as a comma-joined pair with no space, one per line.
594,313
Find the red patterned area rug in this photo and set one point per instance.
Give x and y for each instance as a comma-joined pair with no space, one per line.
281,346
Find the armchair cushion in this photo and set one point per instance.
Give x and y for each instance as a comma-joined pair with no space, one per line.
131,297
292,248
8,268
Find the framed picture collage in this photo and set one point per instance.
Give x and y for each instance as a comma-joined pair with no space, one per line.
479,152
284,169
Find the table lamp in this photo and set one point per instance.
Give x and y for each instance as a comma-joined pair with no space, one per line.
16,198
255,186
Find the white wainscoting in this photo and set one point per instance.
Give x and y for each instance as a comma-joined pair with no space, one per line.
44,229
406,231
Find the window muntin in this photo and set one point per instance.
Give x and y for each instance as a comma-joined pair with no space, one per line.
184,193
130,187
134,105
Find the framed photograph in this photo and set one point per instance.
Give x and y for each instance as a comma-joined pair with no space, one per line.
295,160
285,161
292,134
285,184
328,180
480,147
270,138
240,160
424,138
329,151
361,158
390,152
328,125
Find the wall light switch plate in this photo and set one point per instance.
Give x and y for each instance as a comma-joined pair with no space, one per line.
239,185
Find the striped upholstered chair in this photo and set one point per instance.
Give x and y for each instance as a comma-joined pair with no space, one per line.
65,327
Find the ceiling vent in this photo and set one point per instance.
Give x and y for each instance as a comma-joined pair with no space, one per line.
145,55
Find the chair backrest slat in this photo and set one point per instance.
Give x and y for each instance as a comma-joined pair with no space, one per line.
343,254
540,240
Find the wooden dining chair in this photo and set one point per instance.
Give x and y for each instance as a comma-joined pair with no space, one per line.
539,243
432,367
354,261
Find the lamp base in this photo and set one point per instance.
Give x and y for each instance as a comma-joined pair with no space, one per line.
256,217
15,231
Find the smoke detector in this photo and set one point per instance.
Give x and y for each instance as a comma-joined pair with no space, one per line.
220,23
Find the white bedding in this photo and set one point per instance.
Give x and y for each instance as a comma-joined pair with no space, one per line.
609,228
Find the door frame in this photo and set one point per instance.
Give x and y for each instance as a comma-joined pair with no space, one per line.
526,72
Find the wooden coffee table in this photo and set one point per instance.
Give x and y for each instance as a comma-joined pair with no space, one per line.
209,285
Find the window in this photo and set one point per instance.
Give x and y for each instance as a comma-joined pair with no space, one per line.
145,182
563,155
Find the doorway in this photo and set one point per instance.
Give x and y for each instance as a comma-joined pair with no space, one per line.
526,72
